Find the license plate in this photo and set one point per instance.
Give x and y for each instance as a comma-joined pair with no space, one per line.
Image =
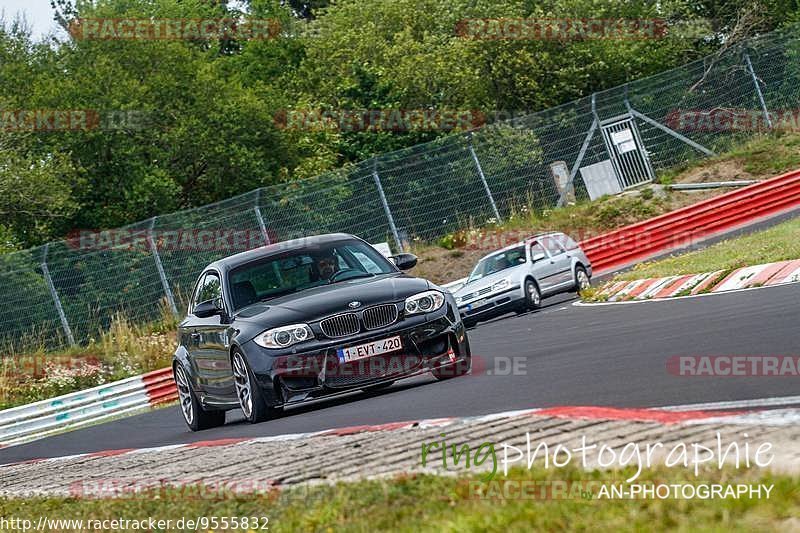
392,344
475,305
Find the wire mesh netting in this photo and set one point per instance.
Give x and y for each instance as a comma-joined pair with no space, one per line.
68,291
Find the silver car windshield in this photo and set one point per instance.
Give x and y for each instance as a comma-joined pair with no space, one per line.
497,262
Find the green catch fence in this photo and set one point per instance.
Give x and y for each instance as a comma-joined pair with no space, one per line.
66,292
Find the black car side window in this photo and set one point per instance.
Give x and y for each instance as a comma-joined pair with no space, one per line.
210,288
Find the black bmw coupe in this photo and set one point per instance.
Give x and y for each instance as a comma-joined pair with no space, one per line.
308,318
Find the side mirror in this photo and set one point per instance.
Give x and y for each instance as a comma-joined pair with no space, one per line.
207,309
538,257
404,261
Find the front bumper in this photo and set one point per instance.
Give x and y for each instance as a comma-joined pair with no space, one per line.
495,303
438,339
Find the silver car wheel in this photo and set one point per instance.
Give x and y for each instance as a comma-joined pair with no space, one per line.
244,390
583,280
533,292
184,395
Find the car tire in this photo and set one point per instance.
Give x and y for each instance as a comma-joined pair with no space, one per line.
248,392
459,368
582,280
533,296
379,386
193,413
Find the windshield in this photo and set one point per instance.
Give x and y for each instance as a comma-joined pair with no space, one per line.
497,262
302,269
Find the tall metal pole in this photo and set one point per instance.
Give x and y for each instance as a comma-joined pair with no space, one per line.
386,209
758,88
160,267
562,199
577,165
594,108
261,225
260,219
56,299
483,178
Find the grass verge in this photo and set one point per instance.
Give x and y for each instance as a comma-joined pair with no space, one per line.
433,503
779,243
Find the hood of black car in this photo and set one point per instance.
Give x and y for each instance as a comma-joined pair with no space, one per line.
314,304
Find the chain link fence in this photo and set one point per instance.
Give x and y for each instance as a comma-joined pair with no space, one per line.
66,293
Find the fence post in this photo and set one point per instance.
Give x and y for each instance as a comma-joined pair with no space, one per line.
577,165
262,226
56,299
483,177
386,206
758,88
260,219
160,267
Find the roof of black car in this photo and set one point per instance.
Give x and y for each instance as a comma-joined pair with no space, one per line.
235,260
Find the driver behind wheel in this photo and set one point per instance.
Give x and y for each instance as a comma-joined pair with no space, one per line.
327,265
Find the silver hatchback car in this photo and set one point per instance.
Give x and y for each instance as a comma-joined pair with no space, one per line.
517,277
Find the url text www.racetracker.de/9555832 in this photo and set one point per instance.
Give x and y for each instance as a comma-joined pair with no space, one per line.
200,523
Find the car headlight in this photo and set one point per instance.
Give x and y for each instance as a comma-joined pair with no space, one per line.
502,284
284,336
424,302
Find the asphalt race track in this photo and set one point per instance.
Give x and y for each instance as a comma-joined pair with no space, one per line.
612,355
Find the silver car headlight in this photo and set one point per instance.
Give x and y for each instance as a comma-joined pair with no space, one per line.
501,285
424,302
284,336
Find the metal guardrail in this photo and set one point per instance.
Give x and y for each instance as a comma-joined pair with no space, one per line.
681,227
70,411
710,185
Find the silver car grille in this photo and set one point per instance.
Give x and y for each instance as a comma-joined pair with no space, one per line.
477,294
379,316
340,325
